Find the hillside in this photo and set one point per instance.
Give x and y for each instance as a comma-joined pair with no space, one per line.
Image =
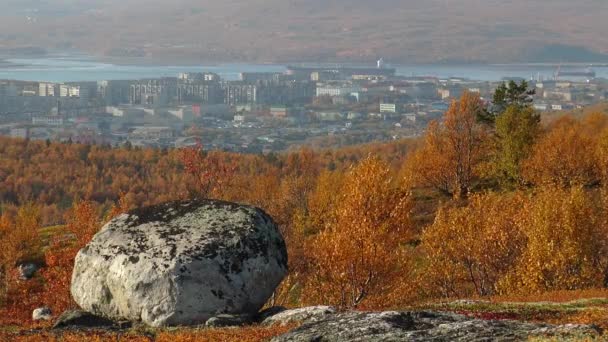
474,228
314,30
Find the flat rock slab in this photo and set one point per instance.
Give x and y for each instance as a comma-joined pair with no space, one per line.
302,315
424,326
221,321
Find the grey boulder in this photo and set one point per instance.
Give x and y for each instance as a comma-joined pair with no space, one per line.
27,271
181,263
42,314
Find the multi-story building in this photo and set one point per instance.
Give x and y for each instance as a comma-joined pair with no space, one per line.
252,77
201,88
238,92
48,89
197,77
113,92
154,92
85,91
203,92
293,92
328,89
66,90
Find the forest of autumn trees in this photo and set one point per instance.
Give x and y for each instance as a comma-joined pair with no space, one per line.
491,201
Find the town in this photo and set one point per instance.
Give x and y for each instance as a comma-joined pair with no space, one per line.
262,112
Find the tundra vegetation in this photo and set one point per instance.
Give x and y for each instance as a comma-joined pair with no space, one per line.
509,210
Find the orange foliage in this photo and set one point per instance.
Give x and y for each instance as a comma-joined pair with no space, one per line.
449,159
469,249
20,242
552,240
359,257
566,243
212,170
565,156
348,221
82,224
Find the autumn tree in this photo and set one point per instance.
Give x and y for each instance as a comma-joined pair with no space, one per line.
565,243
601,153
323,201
452,150
121,207
212,170
21,240
469,249
564,156
358,259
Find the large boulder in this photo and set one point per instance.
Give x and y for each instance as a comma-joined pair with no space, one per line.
181,263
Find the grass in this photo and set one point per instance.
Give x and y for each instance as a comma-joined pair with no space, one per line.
47,233
560,307
137,334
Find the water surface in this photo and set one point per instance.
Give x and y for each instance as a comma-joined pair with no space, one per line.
82,68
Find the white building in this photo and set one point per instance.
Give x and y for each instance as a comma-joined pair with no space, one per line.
336,90
66,90
388,107
444,93
47,89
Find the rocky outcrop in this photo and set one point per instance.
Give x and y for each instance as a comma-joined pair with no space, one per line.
181,263
424,326
302,315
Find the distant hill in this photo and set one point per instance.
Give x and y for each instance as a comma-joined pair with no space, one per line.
315,30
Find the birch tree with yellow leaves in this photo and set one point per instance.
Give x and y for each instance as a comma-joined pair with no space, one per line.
359,258
452,149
